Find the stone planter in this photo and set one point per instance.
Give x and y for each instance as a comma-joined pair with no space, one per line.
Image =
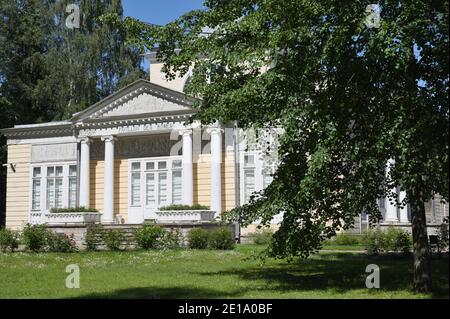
185,216
72,218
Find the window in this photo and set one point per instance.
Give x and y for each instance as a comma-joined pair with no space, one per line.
36,189
72,186
162,182
135,184
54,187
249,176
177,182
382,203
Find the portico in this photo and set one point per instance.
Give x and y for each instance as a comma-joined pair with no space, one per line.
158,146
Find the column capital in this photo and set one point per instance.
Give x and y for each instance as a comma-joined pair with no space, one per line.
85,140
214,130
109,138
185,132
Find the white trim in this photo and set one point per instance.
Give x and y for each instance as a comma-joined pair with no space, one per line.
137,213
43,200
44,140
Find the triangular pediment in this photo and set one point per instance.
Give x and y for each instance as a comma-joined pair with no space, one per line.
139,98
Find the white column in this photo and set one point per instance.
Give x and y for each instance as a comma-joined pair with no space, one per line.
403,210
84,172
391,207
216,178
187,178
108,196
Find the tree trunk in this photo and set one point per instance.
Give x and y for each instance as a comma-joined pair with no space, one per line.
422,269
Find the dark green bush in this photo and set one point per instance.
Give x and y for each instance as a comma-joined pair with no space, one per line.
80,209
35,237
221,238
60,243
147,236
198,238
170,239
8,240
184,207
263,237
372,241
91,239
347,239
112,238
393,239
443,235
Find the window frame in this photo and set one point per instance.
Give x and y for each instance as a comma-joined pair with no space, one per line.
259,171
156,171
43,191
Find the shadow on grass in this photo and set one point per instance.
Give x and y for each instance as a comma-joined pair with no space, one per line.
340,273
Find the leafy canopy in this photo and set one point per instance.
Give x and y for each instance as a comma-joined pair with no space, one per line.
348,97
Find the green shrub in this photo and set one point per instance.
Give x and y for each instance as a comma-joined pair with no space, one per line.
221,238
170,239
198,238
443,235
35,237
112,238
80,209
372,241
403,243
184,207
147,236
91,239
60,243
263,237
8,240
347,239
393,239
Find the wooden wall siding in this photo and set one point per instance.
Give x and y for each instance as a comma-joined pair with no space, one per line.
120,186
18,184
202,180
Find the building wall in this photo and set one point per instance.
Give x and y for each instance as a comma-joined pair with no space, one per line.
157,78
202,180
18,183
96,176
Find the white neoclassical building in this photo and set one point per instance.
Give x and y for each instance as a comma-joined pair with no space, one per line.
133,153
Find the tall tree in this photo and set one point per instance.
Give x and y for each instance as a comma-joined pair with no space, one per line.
351,97
25,28
49,72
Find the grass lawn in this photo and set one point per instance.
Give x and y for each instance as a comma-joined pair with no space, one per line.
210,274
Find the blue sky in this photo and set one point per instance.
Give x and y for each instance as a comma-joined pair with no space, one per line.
159,11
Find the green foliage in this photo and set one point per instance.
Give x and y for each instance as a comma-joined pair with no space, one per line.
34,237
74,210
393,239
263,237
221,238
147,236
198,238
443,235
171,239
60,243
113,238
92,236
347,239
93,62
184,207
9,239
360,96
